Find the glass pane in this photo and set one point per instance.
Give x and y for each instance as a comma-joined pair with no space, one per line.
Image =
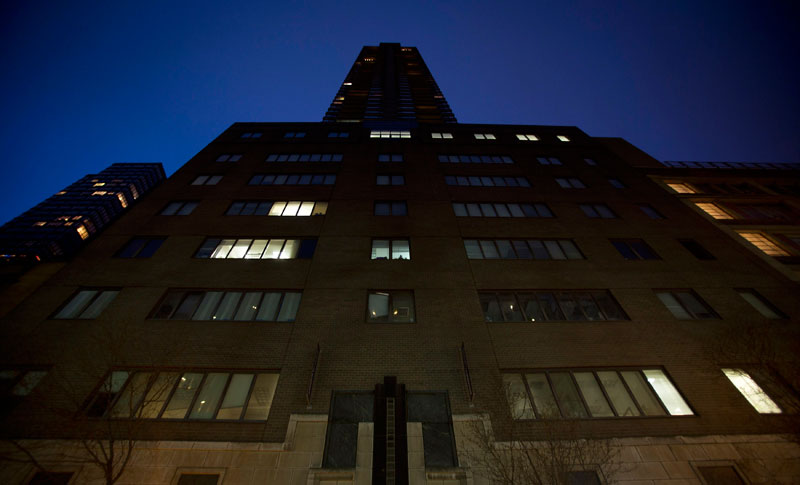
28,382
228,306
320,208
502,210
382,209
380,249
208,305
543,210
289,306
641,391
518,401
568,397
758,304
269,307
171,208
249,208
399,209
517,211
277,208
235,397
489,250
570,249
459,209
550,306
670,396
694,305
206,404
751,391
185,309
77,304
382,180
542,396
608,306
131,397
510,307
474,210
589,210
589,307
207,249
256,249
97,306
402,307
378,307
505,249
306,208
673,306
604,212
239,249
249,306
522,250
554,250
572,309
158,394
595,400
290,249
261,398
473,249
133,247
273,250
488,210
223,248
291,208
539,251
400,249
491,309
530,305
620,399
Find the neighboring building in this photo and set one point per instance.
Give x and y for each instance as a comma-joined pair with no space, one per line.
348,302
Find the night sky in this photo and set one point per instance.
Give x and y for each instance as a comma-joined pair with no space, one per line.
86,85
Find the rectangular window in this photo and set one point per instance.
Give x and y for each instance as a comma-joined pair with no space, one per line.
588,393
685,305
218,248
696,249
237,396
475,159
390,157
494,181
390,180
198,479
304,157
140,247
499,209
761,304
390,306
294,134
522,249
650,211
562,138
391,249
484,136
634,249
282,208
762,243
616,183
243,305
598,211
713,210
389,134
554,305
548,160
207,180
751,391
179,208
338,134
293,179
229,157
590,161
442,136
250,134
570,183
86,304
681,188
523,137
391,208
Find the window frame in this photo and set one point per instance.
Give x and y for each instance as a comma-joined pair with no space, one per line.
318,208
598,215
181,207
638,254
99,292
287,177
563,245
777,314
692,315
183,293
389,315
145,245
524,208
304,245
390,205
699,252
392,177
552,296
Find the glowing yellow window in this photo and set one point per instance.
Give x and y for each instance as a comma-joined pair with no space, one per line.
765,245
752,391
713,210
682,188
562,138
82,232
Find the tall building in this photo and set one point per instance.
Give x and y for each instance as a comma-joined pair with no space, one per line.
387,297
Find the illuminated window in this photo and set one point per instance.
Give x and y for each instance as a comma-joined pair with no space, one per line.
390,306
484,136
390,180
765,245
207,180
527,137
521,249
277,208
140,247
293,179
63,192
713,210
389,134
122,200
751,391
634,249
570,183
348,84
239,305
682,188
295,134
99,184
40,223
390,157
82,232
217,248
562,138
554,305
229,157
760,303
548,160
442,136
391,249
475,159
486,181
87,304
304,157
99,192
250,134
179,208
685,305
498,209
391,208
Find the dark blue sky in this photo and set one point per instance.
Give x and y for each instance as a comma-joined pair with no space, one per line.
86,85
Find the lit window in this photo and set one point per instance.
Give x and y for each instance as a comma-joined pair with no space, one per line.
293,179
122,200
548,160
390,180
390,306
486,181
556,305
217,248
304,157
760,303
616,183
295,134
207,180
634,249
63,192
713,210
682,188
390,157
521,249
250,134
348,84
570,183
179,208
86,304
82,232
498,209
697,250
765,245
685,305
527,137
475,159
442,136
651,212
140,247
229,157
99,192
259,306
40,223
277,208
751,391
598,211
389,134
562,138
391,208
99,184
391,249
484,136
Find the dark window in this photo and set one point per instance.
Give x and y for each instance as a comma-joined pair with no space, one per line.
539,306
347,410
634,249
207,180
250,134
293,179
220,305
432,409
198,479
761,304
720,475
390,157
498,209
486,181
598,211
15,384
140,247
475,159
229,157
304,157
650,211
390,208
696,249
617,184
521,249
570,183
582,478
179,208
390,180
685,304
51,478
87,303
294,134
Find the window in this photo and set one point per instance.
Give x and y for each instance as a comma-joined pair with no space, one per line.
391,249
341,438
562,138
283,208
521,249
15,384
442,136
390,306
304,157
389,134
250,134
527,137
293,179
229,157
207,180
140,247
294,134
582,477
590,161
616,183
681,188
217,248
584,394
751,391
484,136
570,183
339,134
765,245
486,181
685,305
696,249
499,209
720,475
713,210
555,305
390,208
475,159
242,305
598,211
548,160
51,478
634,249
432,410
390,157
198,479
87,304
179,208
650,211
194,394
390,180
764,307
